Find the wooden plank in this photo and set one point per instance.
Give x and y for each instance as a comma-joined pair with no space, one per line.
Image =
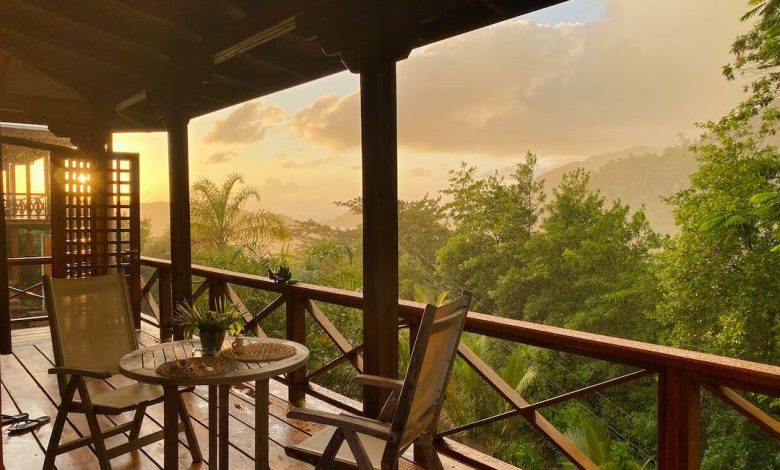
38,360
296,331
32,400
574,454
338,339
146,292
747,409
27,445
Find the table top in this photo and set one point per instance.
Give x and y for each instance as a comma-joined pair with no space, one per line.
141,365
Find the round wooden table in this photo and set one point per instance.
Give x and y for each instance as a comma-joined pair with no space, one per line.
141,365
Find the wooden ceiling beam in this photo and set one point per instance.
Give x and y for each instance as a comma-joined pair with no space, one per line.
40,53
63,29
121,20
265,23
44,108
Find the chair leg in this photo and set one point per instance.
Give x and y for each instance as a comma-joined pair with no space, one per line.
94,427
432,461
138,420
326,461
358,451
189,433
59,425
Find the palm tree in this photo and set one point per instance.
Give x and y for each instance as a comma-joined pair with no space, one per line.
220,219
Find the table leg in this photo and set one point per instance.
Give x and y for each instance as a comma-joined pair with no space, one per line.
224,436
171,427
213,425
261,425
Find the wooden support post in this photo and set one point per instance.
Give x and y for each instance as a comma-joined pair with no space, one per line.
166,304
296,331
679,421
176,120
380,224
5,312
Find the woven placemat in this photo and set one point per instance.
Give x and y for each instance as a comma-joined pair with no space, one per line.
260,352
197,367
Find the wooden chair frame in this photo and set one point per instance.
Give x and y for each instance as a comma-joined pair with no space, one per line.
73,379
392,425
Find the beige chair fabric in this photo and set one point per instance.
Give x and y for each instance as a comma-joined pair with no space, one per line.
92,328
91,322
350,441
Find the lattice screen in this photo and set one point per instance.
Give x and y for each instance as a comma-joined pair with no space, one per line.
95,214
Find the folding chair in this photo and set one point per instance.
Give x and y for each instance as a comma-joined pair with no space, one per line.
91,329
410,414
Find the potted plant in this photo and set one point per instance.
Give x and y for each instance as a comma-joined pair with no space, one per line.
210,324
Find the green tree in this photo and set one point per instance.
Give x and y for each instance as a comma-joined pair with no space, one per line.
221,219
589,266
492,219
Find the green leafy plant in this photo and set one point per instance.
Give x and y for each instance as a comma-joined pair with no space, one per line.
282,274
224,317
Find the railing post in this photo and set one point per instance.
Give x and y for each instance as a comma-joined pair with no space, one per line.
296,331
5,311
166,304
216,291
679,421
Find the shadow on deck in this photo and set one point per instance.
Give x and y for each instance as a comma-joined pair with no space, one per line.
27,387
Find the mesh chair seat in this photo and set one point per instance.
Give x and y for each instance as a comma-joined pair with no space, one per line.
311,449
127,397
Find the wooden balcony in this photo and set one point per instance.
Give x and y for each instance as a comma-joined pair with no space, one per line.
28,387
681,376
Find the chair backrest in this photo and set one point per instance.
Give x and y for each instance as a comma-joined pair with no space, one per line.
91,321
430,364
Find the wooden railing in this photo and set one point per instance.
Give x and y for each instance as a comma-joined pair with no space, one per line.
33,291
26,206
681,374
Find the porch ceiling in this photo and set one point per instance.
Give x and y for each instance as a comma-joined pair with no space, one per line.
62,62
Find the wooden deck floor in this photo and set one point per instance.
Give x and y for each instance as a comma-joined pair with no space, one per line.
27,387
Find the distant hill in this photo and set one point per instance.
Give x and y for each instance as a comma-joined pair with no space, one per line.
345,220
159,214
637,176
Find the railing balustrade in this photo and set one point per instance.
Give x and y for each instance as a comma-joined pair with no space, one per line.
681,374
26,206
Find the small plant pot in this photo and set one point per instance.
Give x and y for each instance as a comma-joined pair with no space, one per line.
211,342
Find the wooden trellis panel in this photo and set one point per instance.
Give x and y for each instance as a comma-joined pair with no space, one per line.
95,216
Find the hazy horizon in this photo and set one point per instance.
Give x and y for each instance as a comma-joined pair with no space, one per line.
582,78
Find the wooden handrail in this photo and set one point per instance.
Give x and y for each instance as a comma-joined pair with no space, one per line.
29,261
709,368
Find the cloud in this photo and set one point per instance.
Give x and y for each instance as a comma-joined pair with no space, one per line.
220,157
246,124
274,188
640,75
300,164
419,172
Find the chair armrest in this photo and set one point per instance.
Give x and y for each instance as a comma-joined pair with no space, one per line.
93,373
353,423
379,381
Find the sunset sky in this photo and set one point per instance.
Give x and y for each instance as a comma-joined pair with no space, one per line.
578,79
